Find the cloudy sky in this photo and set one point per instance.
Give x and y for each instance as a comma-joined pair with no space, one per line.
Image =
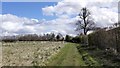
57,17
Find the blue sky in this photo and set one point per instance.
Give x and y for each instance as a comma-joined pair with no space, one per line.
27,9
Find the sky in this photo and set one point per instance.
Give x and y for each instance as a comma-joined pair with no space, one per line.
56,17
27,9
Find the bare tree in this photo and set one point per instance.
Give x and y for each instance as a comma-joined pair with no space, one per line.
86,22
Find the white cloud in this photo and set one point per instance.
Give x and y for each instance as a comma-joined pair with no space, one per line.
48,10
91,1
10,26
62,8
14,25
104,17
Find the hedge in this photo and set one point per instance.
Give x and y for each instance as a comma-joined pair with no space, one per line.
104,39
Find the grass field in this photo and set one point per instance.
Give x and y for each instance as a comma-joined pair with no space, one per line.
29,53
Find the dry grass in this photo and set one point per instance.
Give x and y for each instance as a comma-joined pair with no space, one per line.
29,53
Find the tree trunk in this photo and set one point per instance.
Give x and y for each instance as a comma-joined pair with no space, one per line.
85,32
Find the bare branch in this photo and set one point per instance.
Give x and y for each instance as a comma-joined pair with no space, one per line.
87,22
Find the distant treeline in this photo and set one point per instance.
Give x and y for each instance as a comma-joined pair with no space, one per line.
34,37
106,39
45,37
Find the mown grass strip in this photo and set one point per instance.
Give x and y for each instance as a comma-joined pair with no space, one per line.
68,56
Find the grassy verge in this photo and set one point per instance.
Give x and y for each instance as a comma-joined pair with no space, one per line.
104,58
88,59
